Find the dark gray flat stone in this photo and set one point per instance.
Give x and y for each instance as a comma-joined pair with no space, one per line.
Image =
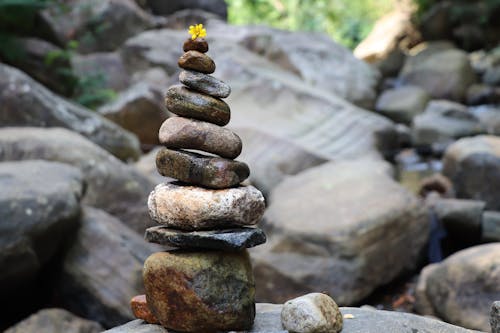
225,239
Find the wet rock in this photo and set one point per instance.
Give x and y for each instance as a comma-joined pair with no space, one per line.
312,313
472,164
194,208
360,224
205,83
222,239
139,110
39,208
198,44
495,317
490,231
443,122
111,185
27,103
196,169
197,61
201,291
55,321
187,103
141,310
462,288
402,104
184,133
102,269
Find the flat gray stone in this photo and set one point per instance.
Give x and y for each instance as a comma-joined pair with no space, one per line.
205,83
225,239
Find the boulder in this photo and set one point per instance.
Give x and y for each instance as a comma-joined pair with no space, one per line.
443,122
344,228
39,207
472,164
110,184
25,102
186,17
140,110
102,269
444,74
97,25
166,8
55,321
402,104
462,288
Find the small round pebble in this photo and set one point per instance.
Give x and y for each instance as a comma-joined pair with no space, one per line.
197,61
198,44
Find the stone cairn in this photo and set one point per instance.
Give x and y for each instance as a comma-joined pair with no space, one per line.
206,284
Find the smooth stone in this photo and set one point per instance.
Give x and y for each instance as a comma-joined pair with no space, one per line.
140,309
495,317
197,61
205,83
196,169
225,239
195,208
187,103
312,313
184,133
201,291
198,44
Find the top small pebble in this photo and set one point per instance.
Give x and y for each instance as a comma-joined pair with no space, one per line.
198,44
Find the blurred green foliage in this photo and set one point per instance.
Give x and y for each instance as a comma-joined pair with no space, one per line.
346,21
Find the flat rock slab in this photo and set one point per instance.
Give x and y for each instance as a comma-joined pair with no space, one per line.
226,239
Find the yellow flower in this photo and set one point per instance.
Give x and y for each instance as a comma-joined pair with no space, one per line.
197,31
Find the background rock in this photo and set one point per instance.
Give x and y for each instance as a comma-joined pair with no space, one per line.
402,104
160,7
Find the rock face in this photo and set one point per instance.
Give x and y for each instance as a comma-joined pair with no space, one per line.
361,231
139,110
472,164
124,190
312,313
27,103
444,121
102,268
444,74
39,206
462,288
55,321
402,104
214,289
96,25
194,208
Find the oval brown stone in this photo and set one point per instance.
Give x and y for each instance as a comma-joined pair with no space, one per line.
184,133
199,44
197,61
187,103
197,169
208,291
205,83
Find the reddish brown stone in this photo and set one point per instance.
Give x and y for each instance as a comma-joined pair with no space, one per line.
141,310
199,44
197,61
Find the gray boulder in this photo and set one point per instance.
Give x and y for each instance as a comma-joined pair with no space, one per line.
110,184
473,165
55,321
39,206
24,102
162,7
343,228
402,104
102,269
462,288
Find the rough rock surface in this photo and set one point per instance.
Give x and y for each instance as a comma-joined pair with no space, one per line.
362,230
197,169
223,239
27,103
184,133
194,208
39,207
55,321
472,164
214,289
102,269
205,83
111,185
462,288
312,313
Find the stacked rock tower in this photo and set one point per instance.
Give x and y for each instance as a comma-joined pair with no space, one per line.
205,284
